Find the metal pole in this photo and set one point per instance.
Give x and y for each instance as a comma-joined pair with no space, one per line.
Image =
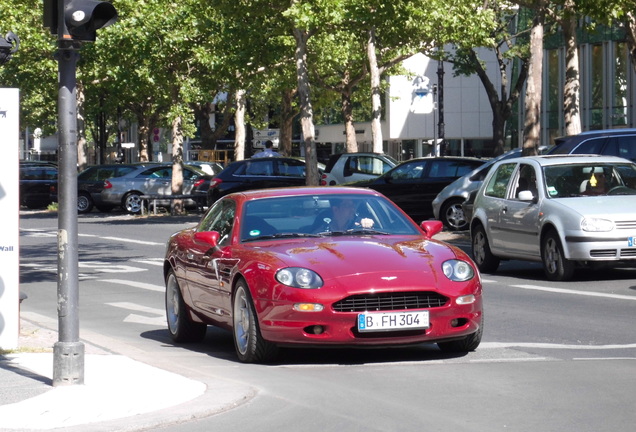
440,106
68,352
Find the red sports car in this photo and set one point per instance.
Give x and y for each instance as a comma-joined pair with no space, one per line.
319,266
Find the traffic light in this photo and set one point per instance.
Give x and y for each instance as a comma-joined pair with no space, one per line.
78,19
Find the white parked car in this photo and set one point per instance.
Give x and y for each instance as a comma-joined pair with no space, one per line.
563,211
349,167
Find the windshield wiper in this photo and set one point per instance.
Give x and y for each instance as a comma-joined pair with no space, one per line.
280,235
364,231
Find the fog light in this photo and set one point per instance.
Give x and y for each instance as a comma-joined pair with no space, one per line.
467,299
315,329
308,307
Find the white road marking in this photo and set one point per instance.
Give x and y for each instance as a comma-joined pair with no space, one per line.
134,284
124,240
158,317
109,267
499,345
575,292
151,261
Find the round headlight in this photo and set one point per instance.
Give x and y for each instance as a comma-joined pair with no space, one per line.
597,225
457,270
298,277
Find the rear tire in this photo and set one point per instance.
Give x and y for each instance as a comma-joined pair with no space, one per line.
180,327
84,203
483,257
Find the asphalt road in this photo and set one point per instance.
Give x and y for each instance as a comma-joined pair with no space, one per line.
555,356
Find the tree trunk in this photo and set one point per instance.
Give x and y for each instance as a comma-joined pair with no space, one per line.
571,106
532,123
630,27
144,129
376,101
306,110
286,122
176,206
347,114
239,124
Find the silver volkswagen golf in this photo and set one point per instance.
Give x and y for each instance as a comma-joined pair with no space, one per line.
562,211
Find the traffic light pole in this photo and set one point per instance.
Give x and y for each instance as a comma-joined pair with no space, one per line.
68,352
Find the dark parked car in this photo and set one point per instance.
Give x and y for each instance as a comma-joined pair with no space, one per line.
260,173
609,142
414,184
36,181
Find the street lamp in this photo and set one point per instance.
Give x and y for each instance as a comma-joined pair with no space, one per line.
8,46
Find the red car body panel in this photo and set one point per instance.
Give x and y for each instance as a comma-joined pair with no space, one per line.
348,265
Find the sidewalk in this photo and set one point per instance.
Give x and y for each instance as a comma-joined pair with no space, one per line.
118,393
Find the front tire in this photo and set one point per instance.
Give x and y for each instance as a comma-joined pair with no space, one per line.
248,342
132,202
483,257
469,343
555,265
180,327
453,217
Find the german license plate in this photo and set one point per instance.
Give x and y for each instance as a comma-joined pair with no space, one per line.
631,241
387,321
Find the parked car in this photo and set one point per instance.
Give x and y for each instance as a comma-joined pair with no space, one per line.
349,167
126,191
414,184
279,277
210,168
90,184
448,204
259,173
610,142
563,211
36,181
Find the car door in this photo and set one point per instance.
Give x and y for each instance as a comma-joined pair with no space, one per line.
494,202
207,268
289,172
519,220
155,181
404,186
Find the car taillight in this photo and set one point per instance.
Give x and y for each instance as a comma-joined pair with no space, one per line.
323,180
107,184
215,182
199,182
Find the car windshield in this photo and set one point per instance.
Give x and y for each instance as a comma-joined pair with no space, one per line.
576,180
322,215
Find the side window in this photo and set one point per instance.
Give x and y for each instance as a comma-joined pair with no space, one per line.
408,171
624,147
220,218
591,146
448,168
260,168
290,169
368,165
499,181
122,171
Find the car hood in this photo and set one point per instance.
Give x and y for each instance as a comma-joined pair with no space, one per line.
617,207
413,259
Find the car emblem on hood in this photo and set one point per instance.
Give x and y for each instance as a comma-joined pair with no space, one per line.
388,278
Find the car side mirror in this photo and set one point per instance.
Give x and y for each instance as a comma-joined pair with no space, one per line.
431,227
209,238
526,195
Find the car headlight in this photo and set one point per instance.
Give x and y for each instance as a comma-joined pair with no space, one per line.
597,225
457,270
299,277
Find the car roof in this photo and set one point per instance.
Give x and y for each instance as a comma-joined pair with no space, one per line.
595,133
303,191
548,160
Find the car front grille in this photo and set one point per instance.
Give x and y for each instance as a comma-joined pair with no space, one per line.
390,301
630,224
628,253
603,253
